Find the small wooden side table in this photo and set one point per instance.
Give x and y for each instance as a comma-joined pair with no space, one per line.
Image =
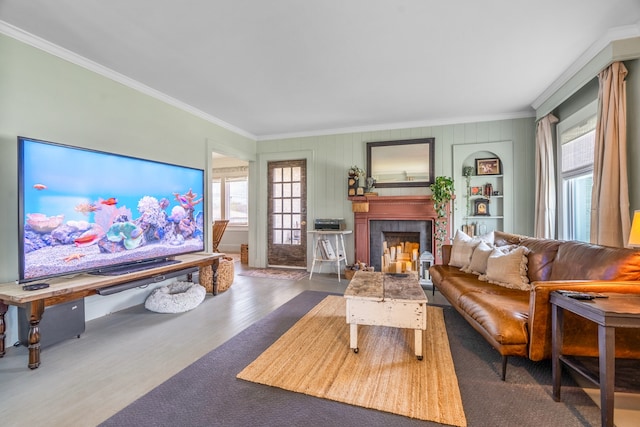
615,311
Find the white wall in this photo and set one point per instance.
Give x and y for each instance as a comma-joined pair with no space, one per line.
42,96
45,97
332,155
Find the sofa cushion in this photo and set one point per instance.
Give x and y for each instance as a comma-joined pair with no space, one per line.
542,254
508,269
462,249
500,238
478,264
502,315
456,283
585,261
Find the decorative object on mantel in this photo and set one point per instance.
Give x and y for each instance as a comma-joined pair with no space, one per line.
355,176
442,192
360,206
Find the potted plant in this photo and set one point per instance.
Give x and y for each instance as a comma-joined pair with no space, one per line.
442,192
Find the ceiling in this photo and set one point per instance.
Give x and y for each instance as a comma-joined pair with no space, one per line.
289,67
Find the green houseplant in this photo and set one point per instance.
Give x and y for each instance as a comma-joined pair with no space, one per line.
442,192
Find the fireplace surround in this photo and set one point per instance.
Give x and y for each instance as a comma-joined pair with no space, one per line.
392,208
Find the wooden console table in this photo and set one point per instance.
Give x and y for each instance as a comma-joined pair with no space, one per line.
68,289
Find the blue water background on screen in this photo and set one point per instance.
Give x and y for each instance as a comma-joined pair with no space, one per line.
75,176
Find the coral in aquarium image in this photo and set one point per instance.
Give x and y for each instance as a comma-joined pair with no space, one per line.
87,211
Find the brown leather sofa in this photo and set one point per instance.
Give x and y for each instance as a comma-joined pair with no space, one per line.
518,322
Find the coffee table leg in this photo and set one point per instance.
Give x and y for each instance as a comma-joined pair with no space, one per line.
353,334
418,343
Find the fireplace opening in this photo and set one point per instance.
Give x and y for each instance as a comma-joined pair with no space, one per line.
400,252
397,233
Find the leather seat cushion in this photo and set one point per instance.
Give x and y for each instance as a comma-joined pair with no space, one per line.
504,316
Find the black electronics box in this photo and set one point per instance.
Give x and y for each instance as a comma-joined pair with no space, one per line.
330,224
59,322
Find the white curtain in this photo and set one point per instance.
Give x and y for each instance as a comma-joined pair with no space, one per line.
610,221
545,214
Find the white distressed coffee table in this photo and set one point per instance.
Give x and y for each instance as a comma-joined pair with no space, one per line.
382,299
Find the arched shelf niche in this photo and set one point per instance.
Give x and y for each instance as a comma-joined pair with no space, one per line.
474,210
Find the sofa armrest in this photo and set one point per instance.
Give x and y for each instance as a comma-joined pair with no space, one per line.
540,308
446,254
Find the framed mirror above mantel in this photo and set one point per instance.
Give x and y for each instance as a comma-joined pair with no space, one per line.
402,163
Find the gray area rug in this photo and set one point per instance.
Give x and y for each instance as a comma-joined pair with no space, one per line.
207,392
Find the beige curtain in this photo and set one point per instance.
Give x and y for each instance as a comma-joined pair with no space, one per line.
545,215
610,222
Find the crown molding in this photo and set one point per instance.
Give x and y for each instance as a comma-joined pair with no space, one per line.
401,125
613,34
53,49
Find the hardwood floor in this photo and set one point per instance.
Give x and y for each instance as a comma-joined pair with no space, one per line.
122,356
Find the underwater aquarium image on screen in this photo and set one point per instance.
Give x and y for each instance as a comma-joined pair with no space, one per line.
88,211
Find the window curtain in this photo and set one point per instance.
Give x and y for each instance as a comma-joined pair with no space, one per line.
545,215
610,221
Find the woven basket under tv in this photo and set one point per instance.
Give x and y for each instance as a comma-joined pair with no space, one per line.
226,274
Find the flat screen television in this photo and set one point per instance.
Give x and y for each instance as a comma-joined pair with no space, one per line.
83,210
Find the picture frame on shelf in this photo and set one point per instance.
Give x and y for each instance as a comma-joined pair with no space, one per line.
488,166
481,207
476,191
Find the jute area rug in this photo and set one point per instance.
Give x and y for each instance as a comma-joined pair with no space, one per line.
313,357
275,273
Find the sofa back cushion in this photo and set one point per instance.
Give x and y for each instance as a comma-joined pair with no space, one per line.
500,238
585,261
542,254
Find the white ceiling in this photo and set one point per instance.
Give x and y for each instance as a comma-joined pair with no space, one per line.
290,67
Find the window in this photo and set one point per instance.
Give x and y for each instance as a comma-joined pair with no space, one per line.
230,196
576,136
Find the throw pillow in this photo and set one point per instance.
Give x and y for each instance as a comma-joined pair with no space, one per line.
508,269
462,249
479,259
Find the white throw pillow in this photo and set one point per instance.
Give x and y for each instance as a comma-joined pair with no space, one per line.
479,259
508,270
462,249
487,238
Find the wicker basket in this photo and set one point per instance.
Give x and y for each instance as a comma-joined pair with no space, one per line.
206,278
244,254
226,274
349,273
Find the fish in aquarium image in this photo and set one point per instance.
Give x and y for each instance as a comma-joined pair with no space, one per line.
113,230
84,210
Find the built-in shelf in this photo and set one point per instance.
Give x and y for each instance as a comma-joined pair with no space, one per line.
501,206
